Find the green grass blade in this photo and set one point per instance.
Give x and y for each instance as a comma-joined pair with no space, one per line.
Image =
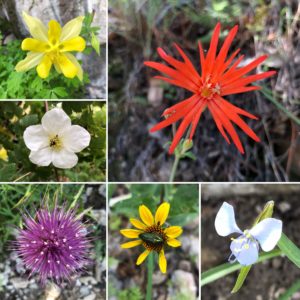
289,249
225,269
291,291
241,278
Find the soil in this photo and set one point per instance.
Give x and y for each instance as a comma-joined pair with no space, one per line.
267,280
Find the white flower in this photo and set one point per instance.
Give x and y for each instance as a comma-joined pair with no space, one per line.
56,140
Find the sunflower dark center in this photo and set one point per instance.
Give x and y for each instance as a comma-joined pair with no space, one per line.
153,238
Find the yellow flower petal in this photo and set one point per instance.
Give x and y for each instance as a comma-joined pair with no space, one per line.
57,68
32,60
75,44
142,257
72,58
131,233
146,215
71,29
162,213
36,28
67,66
173,243
162,262
131,244
173,231
54,32
34,45
44,67
138,224
3,154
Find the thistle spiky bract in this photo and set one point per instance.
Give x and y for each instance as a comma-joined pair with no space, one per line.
54,245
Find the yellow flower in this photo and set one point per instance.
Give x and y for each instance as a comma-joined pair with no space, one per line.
51,46
152,235
3,154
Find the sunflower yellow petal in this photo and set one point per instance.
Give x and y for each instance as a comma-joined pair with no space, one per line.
54,32
142,257
131,244
32,60
138,224
44,67
146,215
72,58
162,213
173,243
173,231
34,45
36,28
67,66
71,29
162,262
131,233
3,154
75,44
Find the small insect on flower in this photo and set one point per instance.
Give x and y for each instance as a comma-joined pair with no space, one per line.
152,235
219,77
52,46
56,140
245,248
53,245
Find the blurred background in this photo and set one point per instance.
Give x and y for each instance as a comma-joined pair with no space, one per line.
16,116
13,30
127,281
16,200
136,101
270,279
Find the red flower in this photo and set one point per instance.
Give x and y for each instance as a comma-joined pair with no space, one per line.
220,77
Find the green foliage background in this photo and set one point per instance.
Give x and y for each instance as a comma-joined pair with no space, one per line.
15,117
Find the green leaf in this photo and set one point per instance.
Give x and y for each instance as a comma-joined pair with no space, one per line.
95,43
289,249
227,268
290,291
241,278
29,120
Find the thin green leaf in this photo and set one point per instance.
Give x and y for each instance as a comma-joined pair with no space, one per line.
291,291
289,249
95,43
241,278
225,269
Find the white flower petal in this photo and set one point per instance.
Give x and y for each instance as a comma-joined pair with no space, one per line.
225,221
41,157
76,138
64,159
267,232
55,121
35,137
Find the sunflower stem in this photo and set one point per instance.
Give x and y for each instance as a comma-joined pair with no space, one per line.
150,267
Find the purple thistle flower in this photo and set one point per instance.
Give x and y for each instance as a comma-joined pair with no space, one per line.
54,245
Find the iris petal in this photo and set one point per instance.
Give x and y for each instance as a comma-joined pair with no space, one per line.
245,250
267,232
225,223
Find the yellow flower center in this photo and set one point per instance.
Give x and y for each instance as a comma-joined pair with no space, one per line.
55,143
209,90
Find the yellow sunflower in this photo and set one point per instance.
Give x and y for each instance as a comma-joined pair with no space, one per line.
151,234
51,46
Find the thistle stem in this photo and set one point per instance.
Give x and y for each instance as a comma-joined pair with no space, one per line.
150,267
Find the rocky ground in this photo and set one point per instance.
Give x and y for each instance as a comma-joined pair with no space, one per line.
90,285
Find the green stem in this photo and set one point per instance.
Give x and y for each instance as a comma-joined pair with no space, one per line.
174,168
150,267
